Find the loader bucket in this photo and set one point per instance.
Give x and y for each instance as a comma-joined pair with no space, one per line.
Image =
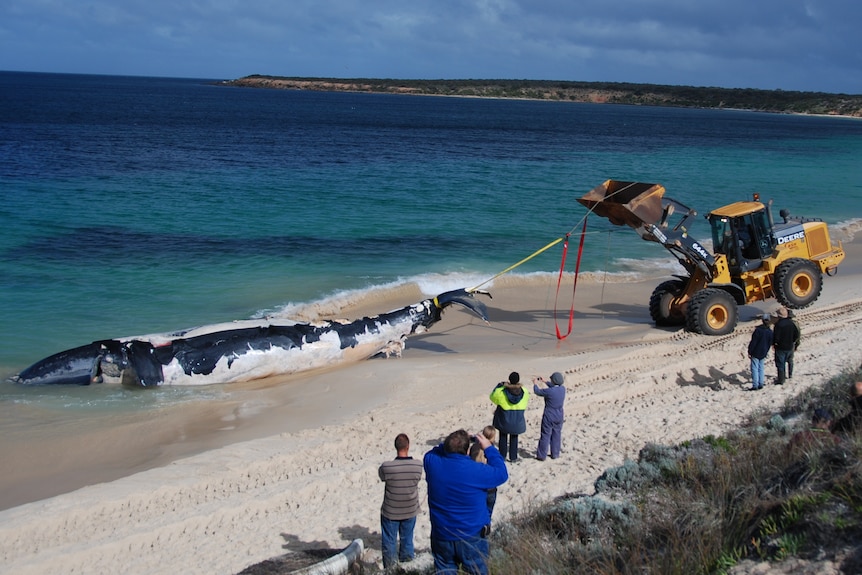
626,203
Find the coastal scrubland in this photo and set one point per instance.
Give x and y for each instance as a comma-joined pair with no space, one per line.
777,101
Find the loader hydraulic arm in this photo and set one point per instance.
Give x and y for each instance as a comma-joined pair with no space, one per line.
687,250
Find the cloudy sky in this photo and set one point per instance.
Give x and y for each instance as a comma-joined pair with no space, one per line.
771,44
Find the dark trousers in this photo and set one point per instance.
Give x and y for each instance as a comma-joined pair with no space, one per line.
551,438
509,444
784,364
491,500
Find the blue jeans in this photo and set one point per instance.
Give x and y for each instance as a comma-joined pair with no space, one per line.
396,531
757,374
469,553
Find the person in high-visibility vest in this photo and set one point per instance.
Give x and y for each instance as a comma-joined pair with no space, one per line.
511,400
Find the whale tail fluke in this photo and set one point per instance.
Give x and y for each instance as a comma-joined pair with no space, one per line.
78,366
464,298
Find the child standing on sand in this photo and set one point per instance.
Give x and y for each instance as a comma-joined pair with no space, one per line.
478,454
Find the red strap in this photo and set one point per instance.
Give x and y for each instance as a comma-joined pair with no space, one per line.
559,281
574,287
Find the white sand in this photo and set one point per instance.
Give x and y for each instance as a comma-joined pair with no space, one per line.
628,383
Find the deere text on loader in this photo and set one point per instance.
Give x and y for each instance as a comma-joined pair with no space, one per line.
753,258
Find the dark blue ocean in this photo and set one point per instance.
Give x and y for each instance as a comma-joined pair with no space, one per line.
134,205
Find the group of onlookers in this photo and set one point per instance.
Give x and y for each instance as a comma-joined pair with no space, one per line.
464,471
783,339
462,474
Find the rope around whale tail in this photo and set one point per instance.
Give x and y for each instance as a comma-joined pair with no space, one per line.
565,240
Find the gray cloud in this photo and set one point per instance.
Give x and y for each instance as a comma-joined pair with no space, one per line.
786,44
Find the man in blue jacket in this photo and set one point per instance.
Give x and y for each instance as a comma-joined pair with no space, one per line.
758,349
457,489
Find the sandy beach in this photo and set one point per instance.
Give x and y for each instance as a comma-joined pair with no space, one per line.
297,465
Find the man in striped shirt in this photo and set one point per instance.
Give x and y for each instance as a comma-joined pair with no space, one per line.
400,503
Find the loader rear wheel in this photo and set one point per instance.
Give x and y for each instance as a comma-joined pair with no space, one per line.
798,283
712,312
661,307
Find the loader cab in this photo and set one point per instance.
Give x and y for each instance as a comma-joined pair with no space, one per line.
743,232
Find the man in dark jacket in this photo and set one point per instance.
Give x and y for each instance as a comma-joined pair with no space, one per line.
785,336
511,400
758,349
457,502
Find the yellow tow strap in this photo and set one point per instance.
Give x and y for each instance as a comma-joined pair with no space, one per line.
510,268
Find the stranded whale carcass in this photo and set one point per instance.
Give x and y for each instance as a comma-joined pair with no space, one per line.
243,351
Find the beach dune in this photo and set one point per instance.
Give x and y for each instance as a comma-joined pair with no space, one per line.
295,465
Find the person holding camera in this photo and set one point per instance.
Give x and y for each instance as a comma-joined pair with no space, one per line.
457,502
511,400
553,415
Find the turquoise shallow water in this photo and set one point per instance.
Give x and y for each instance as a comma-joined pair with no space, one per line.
139,205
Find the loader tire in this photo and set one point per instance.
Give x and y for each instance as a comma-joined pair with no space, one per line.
798,283
712,312
660,303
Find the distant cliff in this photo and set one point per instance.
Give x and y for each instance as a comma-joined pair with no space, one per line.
778,101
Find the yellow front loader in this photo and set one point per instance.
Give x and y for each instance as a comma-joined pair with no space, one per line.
753,258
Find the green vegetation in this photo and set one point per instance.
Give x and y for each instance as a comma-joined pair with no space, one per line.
705,506
779,101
